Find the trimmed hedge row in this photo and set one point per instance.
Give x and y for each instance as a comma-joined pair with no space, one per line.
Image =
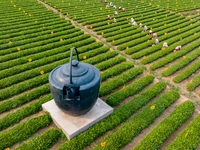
33,28
111,62
187,72
133,31
155,25
138,50
129,90
127,27
23,86
143,19
120,80
43,79
123,30
56,22
52,56
164,129
95,52
117,117
25,97
189,138
170,36
24,48
133,43
194,83
114,27
181,63
51,62
116,70
101,57
127,131
138,16
161,53
173,56
51,46
51,38
23,130
18,115
44,141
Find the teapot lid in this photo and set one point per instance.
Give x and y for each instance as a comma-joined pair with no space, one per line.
73,74
78,69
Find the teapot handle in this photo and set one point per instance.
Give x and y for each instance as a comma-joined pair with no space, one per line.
71,54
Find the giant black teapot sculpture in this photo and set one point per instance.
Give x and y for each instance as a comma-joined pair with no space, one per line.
75,86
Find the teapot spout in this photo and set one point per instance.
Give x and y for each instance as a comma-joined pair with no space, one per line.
70,93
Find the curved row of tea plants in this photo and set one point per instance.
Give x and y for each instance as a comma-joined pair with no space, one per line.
189,37
23,130
44,141
177,5
189,138
181,63
172,57
164,129
194,83
127,131
166,35
119,115
34,41
187,72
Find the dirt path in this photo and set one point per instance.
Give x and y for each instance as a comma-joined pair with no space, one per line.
190,12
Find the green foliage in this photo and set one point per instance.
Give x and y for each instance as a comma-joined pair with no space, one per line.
120,80
101,57
119,115
189,37
194,83
116,70
181,63
131,89
42,142
126,132
164,129
110,62
16,66
25,97
172,57
187,72
23,130
23,86
18,115
189,138
139,49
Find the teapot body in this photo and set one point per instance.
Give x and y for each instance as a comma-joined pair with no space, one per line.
75,87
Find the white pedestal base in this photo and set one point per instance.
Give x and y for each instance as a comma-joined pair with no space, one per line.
73,125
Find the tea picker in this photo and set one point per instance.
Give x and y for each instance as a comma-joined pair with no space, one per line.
134,23
177,48
114,20
109,18
116,13
140,25
165,45
145,28
156,41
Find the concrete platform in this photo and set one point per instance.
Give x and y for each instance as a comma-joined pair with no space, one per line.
74,125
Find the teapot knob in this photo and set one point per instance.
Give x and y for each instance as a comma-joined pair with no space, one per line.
75,63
